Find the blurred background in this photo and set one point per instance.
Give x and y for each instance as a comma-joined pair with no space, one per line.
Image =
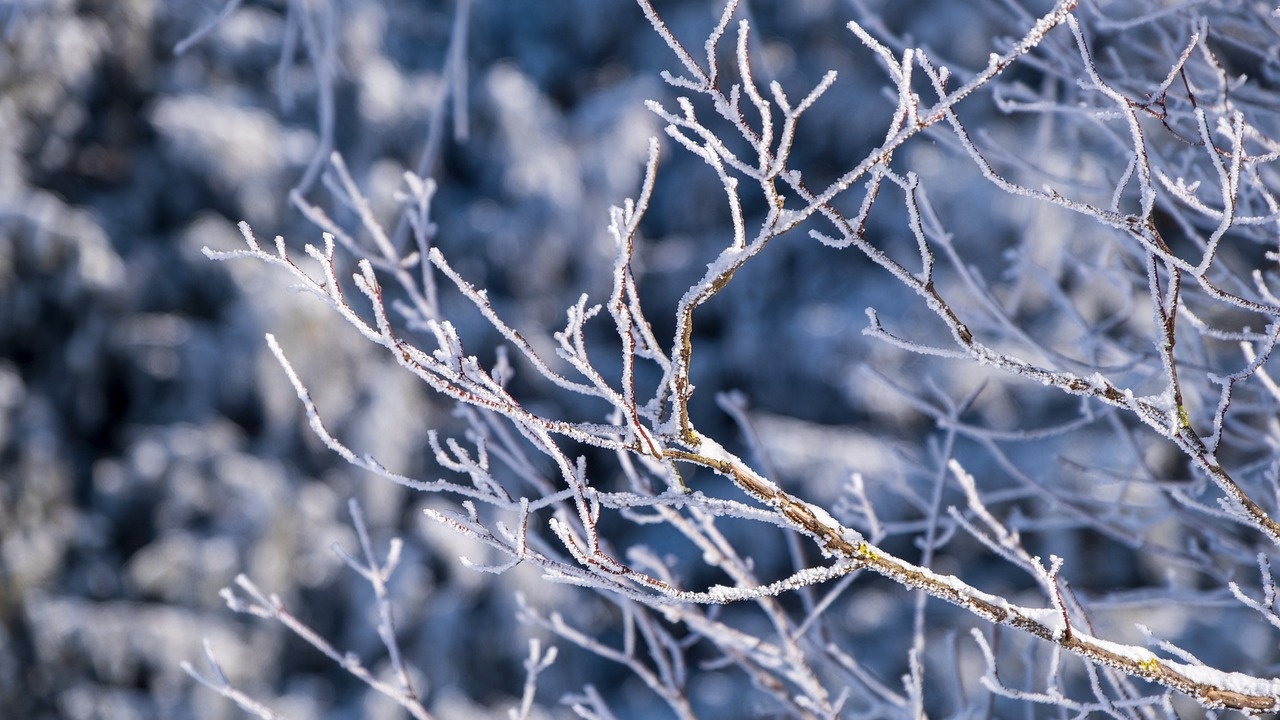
151,448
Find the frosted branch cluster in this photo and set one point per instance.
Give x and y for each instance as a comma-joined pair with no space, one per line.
1179,220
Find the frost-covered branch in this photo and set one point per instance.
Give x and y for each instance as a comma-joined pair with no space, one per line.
1169,364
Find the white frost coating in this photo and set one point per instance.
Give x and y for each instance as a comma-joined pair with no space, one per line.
1234,681
1200,674
723,594
825,518
723,263
968,591
712,450
1051,618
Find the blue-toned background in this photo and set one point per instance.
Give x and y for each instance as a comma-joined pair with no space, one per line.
151,448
